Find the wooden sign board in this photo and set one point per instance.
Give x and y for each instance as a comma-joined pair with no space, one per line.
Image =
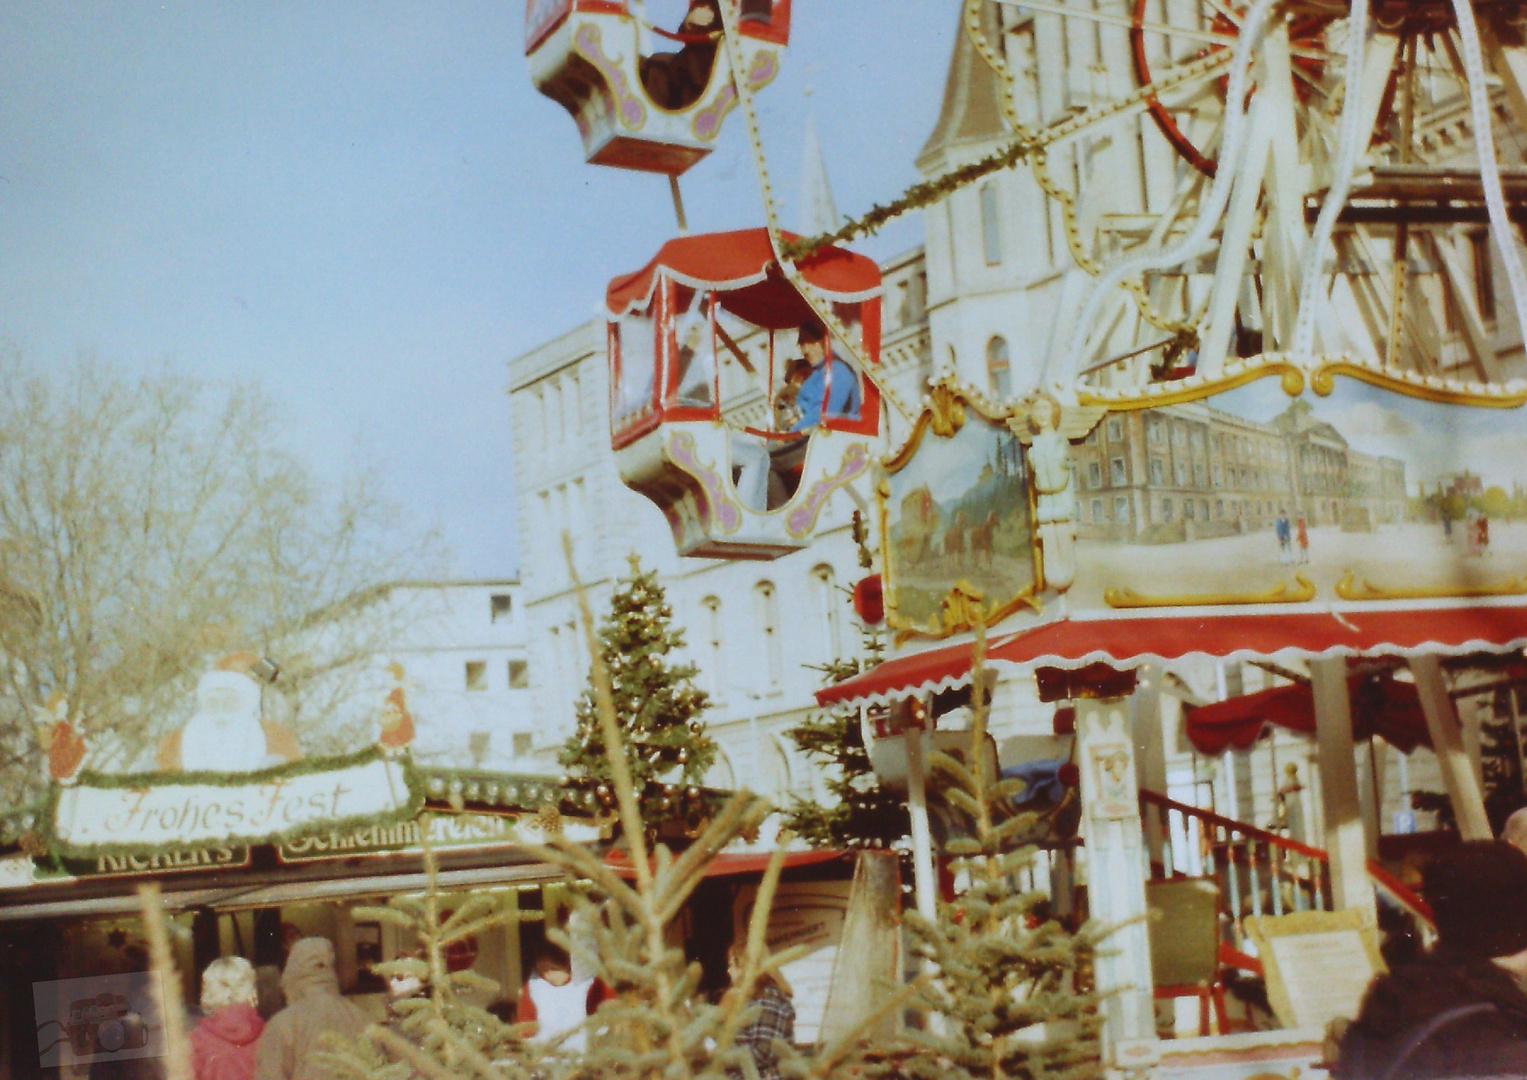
1318,964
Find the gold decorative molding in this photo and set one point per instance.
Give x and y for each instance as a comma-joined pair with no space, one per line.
1319,373
963,609
1298,592
1195,387
1416,385
1349,589
946,410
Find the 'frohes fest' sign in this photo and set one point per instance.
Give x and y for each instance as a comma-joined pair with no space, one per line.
100,813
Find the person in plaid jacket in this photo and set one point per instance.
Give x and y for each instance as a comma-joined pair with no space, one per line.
772,1016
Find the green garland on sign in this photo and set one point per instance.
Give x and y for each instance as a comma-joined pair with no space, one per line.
181,778
59,848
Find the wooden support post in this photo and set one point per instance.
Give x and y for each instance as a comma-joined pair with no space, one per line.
1150,751
1343,813
1458,774
924,874
1116,880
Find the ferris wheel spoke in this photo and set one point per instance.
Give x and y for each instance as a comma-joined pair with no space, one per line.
1128,22
1232,17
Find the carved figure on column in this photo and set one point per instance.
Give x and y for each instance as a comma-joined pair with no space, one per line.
1048,427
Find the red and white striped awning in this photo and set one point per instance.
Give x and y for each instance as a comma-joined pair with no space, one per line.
1125,640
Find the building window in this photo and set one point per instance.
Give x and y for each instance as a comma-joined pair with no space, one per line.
522,743
1097,510
991,224
1121,508
1158,471
519,675
477,675
777,765
499,606
1180,474
1095,473
830,605
712,670
1115,429
998,374
1116,472
1166,509
1187,509
768,625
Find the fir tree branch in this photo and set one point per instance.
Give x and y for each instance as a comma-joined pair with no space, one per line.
177,1048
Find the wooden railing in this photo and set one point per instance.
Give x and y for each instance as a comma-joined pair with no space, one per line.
1260,872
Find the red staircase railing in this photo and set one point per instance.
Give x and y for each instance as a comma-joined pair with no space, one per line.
1262,872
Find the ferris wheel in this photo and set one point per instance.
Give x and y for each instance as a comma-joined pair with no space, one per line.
1324,188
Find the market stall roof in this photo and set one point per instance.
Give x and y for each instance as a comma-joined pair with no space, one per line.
740,266
1381,705
1125,640
54,900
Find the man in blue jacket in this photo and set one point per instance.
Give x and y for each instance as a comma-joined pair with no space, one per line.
831,381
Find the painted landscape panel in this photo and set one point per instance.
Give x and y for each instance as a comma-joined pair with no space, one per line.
1362,494
957,512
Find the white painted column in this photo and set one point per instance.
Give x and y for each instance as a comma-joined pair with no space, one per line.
1458,773
1116,880
1343,814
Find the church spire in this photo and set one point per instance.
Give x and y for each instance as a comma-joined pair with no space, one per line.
817,212
971,113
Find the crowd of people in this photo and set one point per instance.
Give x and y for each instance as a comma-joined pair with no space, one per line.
233,1042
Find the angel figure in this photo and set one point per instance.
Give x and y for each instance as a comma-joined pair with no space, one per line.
1048,427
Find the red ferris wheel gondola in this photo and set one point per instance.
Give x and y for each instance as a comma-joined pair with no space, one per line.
656,112
702,344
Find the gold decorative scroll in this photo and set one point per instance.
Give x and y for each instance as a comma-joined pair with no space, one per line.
1298,592
946,410
1321,373
1416,385
964,609
1349,589
1197,387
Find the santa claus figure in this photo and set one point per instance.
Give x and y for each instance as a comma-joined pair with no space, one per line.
228,733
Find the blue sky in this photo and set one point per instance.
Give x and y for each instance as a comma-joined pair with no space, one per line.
367,209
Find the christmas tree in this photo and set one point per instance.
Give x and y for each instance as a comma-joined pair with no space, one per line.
1004,976
656,702
861,814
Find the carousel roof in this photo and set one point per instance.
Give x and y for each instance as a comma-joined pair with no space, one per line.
741,267
1126,640
1381,705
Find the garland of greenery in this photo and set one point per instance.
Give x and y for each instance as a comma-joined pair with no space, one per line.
924,193
58,847
457,788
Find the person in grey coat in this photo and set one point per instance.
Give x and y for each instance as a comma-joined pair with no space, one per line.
315,1017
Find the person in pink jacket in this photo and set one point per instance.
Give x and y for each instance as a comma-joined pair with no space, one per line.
223,1044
